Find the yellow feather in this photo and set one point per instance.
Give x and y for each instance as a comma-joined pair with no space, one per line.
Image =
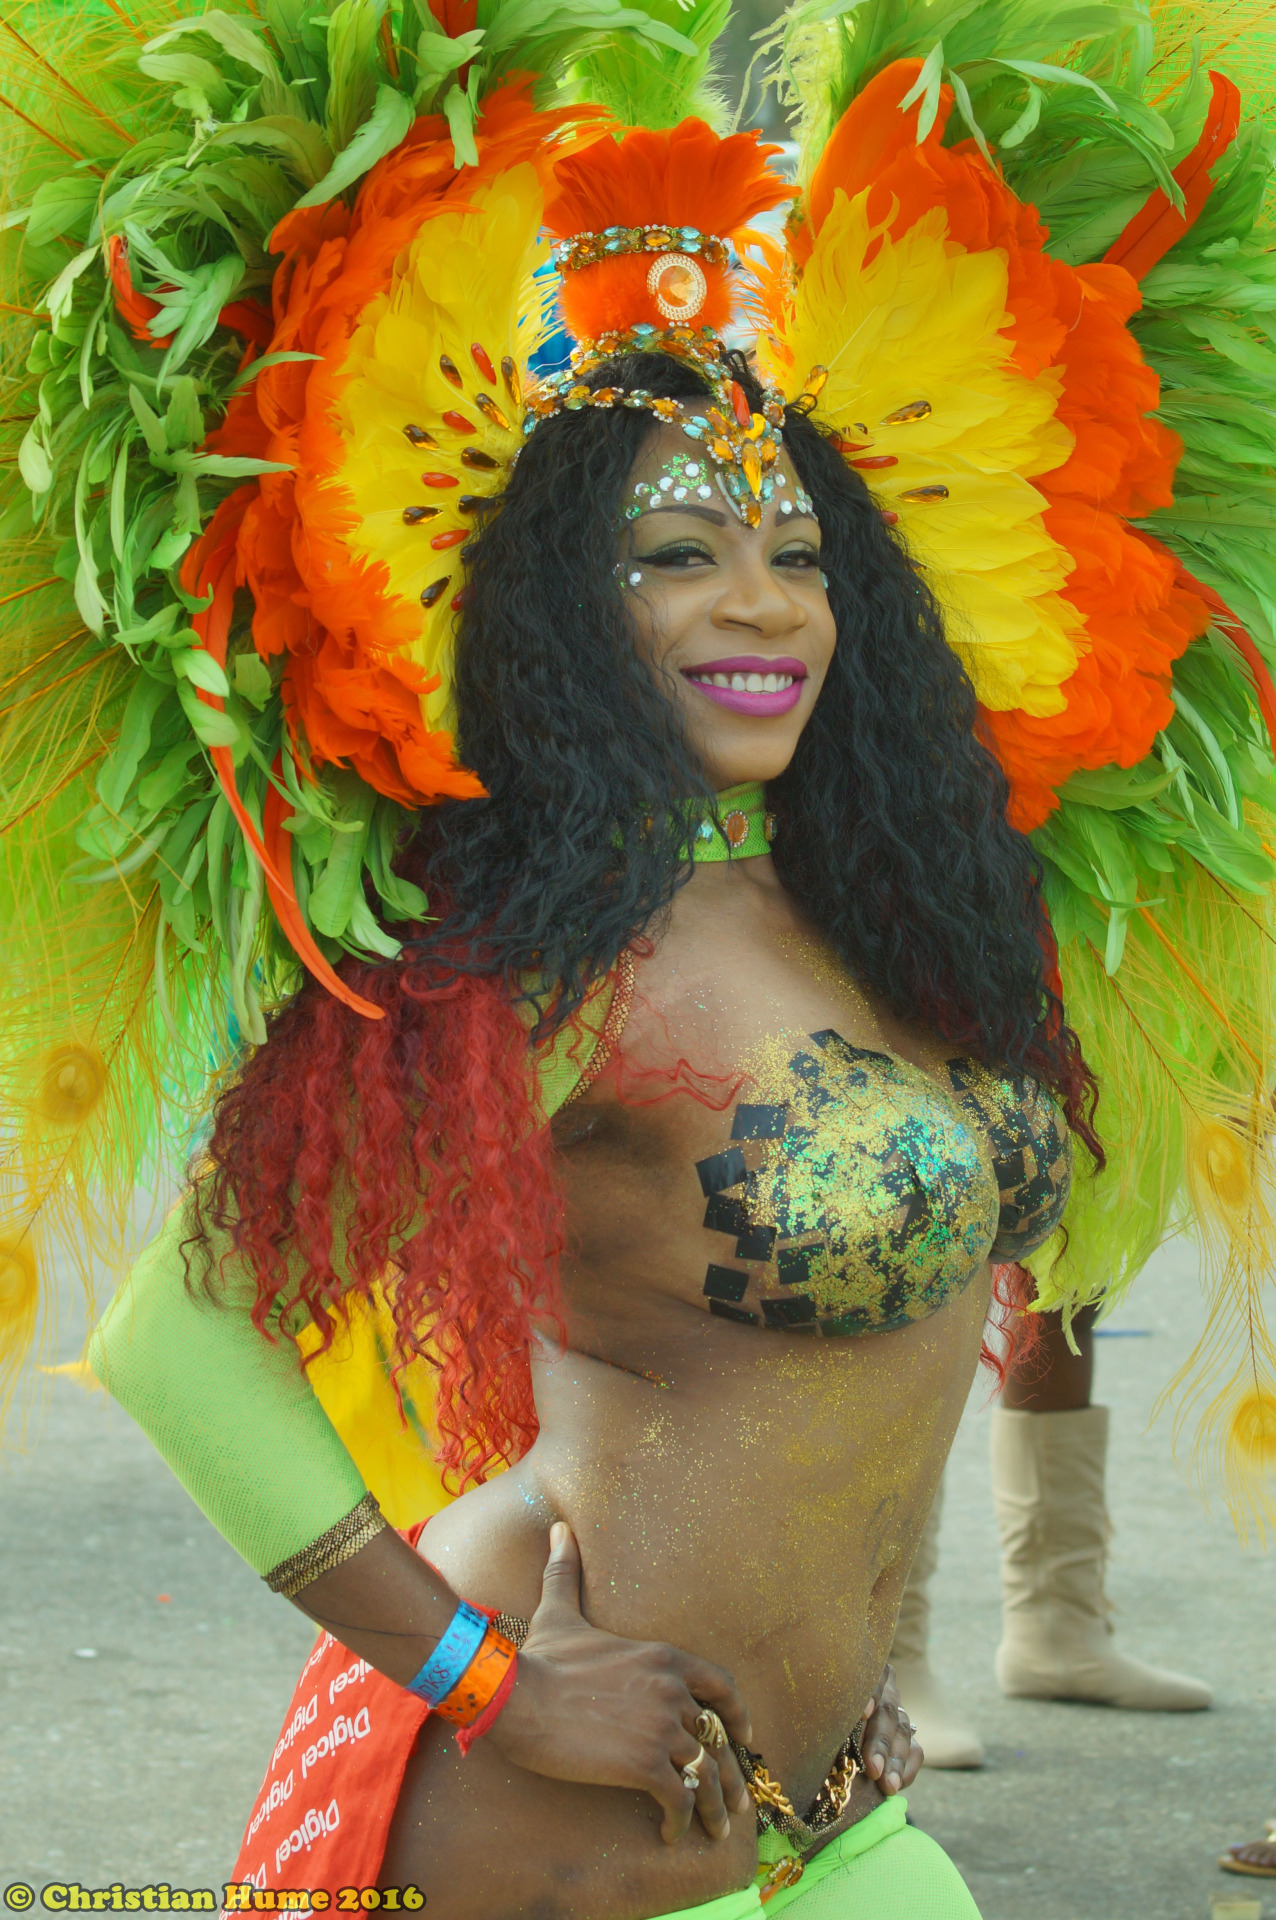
922,303
467,277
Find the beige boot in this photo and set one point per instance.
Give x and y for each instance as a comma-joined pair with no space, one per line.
944,1739
1047,1481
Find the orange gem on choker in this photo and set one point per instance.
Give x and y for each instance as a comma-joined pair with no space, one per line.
744,829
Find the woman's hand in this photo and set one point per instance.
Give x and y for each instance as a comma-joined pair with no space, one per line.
588,1706
892,1756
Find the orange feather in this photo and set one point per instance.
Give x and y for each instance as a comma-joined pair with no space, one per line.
1157,225
1140,613
685,177
350,685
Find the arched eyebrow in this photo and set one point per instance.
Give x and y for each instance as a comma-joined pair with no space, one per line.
678,506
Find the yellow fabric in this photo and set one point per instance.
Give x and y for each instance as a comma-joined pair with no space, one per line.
393,1451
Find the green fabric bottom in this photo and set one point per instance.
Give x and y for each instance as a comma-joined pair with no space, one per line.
879,1869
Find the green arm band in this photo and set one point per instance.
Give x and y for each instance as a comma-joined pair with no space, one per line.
231,1412
234,1414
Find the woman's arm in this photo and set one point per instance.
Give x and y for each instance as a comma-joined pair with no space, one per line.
586,1706
231,1412
235,1417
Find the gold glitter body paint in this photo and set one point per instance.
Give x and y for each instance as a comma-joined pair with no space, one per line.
747,1489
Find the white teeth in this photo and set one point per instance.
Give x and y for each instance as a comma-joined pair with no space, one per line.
747,682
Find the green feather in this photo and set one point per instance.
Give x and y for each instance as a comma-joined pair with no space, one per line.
646,85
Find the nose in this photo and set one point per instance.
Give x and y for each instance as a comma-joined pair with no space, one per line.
754,599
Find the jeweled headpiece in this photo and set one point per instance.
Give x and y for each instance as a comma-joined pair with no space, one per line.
741,445
641,274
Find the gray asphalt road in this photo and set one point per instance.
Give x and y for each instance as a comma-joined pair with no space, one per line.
134,1728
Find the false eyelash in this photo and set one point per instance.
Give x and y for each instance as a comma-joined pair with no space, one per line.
663,555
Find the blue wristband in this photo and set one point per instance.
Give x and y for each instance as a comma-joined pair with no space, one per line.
460,1643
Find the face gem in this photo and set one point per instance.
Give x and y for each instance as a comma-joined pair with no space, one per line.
680,479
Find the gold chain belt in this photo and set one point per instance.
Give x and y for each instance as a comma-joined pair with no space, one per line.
776,1810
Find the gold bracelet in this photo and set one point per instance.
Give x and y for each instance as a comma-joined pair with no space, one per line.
341,1542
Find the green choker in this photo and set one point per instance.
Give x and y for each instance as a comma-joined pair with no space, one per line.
740,828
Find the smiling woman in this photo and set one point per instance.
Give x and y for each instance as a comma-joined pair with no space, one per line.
563,809
745,1272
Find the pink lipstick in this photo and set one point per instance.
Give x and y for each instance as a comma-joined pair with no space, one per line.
750,683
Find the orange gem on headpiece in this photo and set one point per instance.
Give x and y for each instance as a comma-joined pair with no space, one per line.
678,284
680,195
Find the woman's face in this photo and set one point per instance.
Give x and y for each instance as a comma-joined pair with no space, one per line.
735,619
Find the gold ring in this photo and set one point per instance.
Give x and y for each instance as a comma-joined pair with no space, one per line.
691,1772
709,1730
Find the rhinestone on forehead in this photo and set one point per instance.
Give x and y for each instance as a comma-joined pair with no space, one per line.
740,446
680,478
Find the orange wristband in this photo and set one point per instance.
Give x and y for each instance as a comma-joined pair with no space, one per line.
481,1681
